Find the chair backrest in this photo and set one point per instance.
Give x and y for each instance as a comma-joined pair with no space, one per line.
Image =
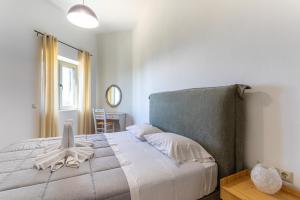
99,114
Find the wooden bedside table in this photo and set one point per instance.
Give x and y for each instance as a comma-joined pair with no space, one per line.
240,187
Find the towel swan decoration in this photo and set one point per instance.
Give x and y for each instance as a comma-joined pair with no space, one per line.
69,153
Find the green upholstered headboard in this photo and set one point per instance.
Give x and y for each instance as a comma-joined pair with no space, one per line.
214,117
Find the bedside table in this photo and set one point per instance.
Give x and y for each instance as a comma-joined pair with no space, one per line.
240,187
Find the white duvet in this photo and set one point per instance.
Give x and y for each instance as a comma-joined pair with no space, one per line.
152,175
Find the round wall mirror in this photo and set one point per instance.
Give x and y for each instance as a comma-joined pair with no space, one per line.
113,95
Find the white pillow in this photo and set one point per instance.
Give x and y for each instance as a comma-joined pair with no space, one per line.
129,128
179,148
144,129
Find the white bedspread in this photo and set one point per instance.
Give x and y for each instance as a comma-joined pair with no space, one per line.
152,175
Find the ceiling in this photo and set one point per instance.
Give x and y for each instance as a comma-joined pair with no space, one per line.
113,15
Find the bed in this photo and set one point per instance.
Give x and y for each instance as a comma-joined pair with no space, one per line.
127,168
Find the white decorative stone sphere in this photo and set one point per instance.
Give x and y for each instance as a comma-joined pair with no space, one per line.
266,179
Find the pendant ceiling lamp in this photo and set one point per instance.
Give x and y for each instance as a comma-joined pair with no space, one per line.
82,16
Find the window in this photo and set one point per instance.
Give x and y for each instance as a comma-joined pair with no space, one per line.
68,84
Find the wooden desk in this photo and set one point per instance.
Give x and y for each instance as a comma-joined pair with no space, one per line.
240,187
119,119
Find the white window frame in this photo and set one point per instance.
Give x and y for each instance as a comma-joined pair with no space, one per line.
66,62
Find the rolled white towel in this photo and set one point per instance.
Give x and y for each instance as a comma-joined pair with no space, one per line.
68,136
72,162
57,165
81,154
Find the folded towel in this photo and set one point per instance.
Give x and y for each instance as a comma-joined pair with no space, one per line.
67,153
50,159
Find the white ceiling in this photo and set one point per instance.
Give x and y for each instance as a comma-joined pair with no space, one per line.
113,15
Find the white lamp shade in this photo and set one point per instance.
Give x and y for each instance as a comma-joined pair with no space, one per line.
266,179
82,16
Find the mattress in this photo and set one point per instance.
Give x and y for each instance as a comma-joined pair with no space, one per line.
123,168
152,175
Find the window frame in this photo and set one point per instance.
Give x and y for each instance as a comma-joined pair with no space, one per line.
65,62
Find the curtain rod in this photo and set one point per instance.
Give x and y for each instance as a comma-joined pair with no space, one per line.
40,33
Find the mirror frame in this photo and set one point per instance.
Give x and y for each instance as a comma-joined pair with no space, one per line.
106,93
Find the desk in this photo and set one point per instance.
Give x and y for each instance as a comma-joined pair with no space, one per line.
119,120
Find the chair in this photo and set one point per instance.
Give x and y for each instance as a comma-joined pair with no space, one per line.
102,125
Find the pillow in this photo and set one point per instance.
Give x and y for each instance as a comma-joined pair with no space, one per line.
141,130
179,148
130,128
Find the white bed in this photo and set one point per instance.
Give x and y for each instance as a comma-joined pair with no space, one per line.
152,175
126,168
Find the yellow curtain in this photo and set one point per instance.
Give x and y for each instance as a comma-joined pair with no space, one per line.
49,88
85,114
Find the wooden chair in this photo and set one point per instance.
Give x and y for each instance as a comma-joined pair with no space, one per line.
102,125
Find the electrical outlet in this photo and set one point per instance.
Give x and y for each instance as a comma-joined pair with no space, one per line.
286,175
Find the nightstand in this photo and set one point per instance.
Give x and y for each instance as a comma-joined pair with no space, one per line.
240,187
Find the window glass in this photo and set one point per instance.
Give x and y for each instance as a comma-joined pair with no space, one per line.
67,85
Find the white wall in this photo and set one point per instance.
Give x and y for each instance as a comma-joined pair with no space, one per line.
192,43
115,67
19,61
